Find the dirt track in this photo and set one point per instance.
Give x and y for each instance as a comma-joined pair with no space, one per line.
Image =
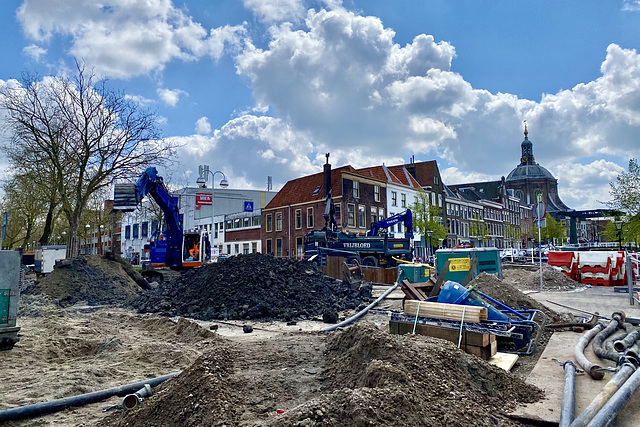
73,350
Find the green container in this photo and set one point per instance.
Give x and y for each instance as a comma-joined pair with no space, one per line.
461,260
415,273
9,296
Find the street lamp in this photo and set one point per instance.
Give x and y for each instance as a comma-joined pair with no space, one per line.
619,233
86,238
202,183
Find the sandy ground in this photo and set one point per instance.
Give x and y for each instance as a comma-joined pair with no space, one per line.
79,349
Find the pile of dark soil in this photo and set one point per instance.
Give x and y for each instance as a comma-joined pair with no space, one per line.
552,280
510,296
254,286
88,278
375,378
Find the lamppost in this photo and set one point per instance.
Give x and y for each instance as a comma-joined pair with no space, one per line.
619,233
202,183
429,234
86,238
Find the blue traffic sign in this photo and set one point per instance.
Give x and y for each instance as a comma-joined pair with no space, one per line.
248,206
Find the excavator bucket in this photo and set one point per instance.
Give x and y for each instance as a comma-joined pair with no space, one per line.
352,274
124,198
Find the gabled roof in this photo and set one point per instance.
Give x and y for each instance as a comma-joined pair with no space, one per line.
380,172
405,177
303,189
424,172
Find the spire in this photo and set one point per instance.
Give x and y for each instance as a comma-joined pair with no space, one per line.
526,132
527,148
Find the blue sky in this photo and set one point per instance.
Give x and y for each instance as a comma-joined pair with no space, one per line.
260,88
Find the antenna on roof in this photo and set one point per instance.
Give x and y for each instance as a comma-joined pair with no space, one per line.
269,182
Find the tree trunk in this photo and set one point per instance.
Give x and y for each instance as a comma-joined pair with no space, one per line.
73,242
46,234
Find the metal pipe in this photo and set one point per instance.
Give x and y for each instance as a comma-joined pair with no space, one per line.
598,349
626,369
568,395
579,310
628,341
592,369
363,312
610,410
41,408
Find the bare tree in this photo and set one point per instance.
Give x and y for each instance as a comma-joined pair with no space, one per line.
86,134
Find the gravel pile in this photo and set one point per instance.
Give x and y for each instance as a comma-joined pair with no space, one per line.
254,286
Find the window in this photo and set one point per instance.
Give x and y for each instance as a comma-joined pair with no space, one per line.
538,195
215,230
254,247
338,214
309,217
317,190
279,248
380,214
298,219
245,222
145,229
394,198
268,248
154,226
228,249
229,224
351,215
356,193
279,221
374,214
361,219
403,199
376,193
245,248
269,223
136,233
435,180
127,232
255,221
237,248
299,247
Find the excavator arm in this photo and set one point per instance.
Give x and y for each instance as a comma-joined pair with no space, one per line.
393,220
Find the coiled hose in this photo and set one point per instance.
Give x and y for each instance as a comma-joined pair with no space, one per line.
598,349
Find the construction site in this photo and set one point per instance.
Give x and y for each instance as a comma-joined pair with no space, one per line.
258,340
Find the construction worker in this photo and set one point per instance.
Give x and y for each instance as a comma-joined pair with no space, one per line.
194,252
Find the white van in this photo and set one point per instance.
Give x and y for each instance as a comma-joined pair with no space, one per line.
48,256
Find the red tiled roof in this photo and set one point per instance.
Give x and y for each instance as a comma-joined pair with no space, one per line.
378,172
301,190
405,177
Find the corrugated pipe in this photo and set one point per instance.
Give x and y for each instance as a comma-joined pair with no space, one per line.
363,312
625,371
628,341
569,394
592,369
36,409
610,410
598,349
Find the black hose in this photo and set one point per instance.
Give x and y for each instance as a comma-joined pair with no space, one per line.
41,408
626,369
610,410
628,341
569,394
598,349
594,371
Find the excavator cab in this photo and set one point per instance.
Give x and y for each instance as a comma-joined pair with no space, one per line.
192,249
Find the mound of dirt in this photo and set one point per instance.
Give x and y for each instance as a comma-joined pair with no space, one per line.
88,278
552,280
508,295
375,378
254,286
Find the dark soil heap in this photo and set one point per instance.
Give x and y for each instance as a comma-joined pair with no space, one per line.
88,278
510,296
254,286
375,378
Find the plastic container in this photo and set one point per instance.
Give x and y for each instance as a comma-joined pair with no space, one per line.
455,293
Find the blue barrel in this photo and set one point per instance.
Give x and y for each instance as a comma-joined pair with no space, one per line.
455,293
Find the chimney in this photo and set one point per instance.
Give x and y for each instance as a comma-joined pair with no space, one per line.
327,177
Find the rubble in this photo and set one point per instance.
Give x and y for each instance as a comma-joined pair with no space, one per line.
254,286
90,279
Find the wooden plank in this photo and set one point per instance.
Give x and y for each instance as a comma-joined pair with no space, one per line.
436,289
482,352
468,338
504,360
471,313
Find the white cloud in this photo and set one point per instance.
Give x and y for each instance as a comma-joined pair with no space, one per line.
276,10
631,5
125,39
34,52
203,127
138,99
170,97
586,186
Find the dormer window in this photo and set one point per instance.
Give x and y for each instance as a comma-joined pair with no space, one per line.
317,190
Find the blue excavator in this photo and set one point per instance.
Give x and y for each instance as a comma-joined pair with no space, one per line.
173,247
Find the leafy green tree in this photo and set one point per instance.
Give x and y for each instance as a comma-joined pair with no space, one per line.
478,229
553,230
428,217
